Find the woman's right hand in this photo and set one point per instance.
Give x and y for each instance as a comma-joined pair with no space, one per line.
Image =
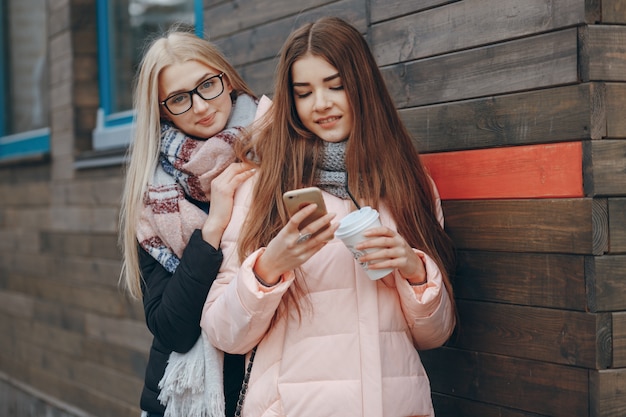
222,197
286,252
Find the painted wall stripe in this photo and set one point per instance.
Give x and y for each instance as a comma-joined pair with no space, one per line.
534,171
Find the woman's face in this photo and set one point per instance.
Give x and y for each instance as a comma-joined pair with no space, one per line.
205,118
321,101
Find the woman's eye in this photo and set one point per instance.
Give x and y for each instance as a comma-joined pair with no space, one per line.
178,99
337,88
302,95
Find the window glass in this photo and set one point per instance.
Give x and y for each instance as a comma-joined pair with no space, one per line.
131,23
25,73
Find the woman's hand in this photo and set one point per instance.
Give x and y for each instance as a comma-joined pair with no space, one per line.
288,250
222,196
392,252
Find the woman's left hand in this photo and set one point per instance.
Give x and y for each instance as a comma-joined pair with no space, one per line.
392,251
223,189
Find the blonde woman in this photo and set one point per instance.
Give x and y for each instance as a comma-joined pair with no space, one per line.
191,106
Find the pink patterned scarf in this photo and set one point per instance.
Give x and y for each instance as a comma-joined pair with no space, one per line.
185,169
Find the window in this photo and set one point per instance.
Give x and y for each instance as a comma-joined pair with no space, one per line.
23,80
123,27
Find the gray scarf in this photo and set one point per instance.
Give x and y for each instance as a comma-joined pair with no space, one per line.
330,173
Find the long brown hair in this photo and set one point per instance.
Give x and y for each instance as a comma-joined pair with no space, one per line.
382,163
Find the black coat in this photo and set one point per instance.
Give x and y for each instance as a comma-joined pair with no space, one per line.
173,308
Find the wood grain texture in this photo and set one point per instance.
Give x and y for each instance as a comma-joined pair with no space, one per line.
449,406
603,52
540,61
617,225
530,279
605,168
619,339
607,392
454,27
264,41
572,226
386,9
545,334
534,171
520,384
615,105
606,281
547,115
613,11
228,18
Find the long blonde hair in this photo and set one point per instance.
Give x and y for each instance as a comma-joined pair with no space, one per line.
382,162
173,47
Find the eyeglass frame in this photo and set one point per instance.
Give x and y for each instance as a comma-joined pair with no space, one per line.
195,91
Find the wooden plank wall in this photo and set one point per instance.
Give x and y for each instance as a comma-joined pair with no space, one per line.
517,108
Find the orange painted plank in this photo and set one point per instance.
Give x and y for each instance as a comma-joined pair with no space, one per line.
535,171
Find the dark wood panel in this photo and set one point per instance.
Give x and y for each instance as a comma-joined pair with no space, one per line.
265,41
603,53
617,225
125,360
619,339
448,406
106,301
386,9
231,17
605,168
87,244
260,76
530,63
83,396
454,27
532,386
15,304
544,334
613,11
548,115
615,105
533,279
533,171
606,395
606,282
570,226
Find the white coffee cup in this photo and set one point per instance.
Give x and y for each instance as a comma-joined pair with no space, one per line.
350,232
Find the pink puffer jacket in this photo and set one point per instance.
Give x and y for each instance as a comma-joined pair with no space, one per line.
353,352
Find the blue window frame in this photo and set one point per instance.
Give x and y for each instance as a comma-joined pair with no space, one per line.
23,81
115,114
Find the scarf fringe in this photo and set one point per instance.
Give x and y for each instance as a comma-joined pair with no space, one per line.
193,383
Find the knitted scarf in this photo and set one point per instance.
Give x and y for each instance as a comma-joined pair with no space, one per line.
193,382
330,173
185,168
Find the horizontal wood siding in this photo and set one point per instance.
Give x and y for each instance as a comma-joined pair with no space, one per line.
548,115
418,35
538,387
574,226
530,279
518,111
529,63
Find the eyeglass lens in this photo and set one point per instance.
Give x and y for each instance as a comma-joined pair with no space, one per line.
208,90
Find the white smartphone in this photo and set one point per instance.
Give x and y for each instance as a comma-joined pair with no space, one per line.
295,200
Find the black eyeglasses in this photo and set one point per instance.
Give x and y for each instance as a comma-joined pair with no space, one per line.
208,89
